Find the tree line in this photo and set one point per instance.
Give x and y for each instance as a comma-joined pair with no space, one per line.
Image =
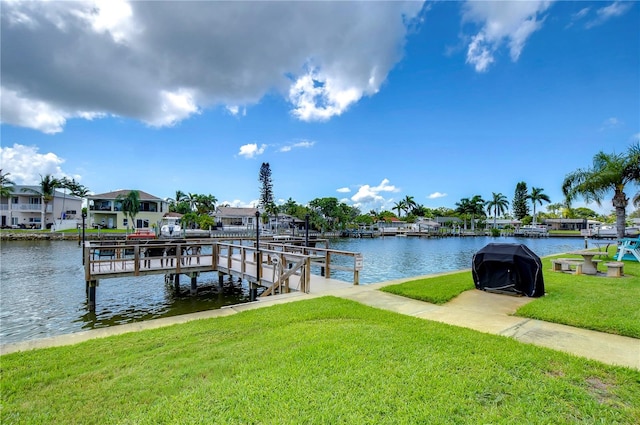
608,173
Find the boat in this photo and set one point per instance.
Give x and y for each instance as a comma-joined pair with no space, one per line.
611,231
532,231
170,227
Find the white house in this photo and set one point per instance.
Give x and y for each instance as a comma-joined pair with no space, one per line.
23,208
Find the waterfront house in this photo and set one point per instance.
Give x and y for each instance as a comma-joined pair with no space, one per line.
503,223
235,218
23,208
105,210
570,223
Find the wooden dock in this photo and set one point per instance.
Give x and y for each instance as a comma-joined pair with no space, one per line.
277,266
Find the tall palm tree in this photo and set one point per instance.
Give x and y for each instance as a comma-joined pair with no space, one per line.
399,206
410,203
48,185
130,206
64,185
498,205
192,198
537,196
6,185
608,172
476,208
464,206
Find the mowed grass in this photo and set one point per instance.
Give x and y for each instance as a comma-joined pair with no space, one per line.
599,303
321,361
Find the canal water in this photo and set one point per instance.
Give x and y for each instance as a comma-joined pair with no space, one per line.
42,288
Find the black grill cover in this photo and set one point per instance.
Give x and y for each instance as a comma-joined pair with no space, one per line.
508,268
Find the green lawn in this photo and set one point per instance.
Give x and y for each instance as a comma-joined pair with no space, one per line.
321,361
593,302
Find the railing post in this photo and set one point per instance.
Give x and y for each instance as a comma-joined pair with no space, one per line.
215,255
136,260
86,260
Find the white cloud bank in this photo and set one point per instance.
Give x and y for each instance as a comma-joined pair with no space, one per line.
510,22
26,165
162,62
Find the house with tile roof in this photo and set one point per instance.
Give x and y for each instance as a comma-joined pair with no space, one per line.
105,210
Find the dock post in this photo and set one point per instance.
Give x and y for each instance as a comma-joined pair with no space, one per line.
253,291
176,282
194,283
221,280
91,294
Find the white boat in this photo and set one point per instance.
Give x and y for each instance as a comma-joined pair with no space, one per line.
532,231
611,231
170,227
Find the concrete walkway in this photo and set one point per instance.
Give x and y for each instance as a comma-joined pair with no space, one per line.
477,310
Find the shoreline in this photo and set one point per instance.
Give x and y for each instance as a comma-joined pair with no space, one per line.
61,236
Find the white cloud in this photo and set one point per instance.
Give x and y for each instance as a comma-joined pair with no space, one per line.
343,190
501,22
610,123
613,10
581,13
236,203
436,195
162,62
26,165
251,150
175,106
369,197
302,144
113,17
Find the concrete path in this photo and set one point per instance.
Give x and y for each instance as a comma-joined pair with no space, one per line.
477,310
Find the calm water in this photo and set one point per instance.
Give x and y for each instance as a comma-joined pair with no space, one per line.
42,288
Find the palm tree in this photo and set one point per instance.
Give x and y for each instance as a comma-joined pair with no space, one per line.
463,209
399,206
609,172
537,196
410,203
554,208
192,199
6,185
48,185
476,208
498,204
130,206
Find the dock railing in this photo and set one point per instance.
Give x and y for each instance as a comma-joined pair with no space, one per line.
279,263
328,260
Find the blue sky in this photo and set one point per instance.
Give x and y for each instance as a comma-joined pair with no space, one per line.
364,101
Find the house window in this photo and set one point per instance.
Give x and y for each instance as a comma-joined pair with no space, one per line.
34,201
14,200
125,222
140,223
148,206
